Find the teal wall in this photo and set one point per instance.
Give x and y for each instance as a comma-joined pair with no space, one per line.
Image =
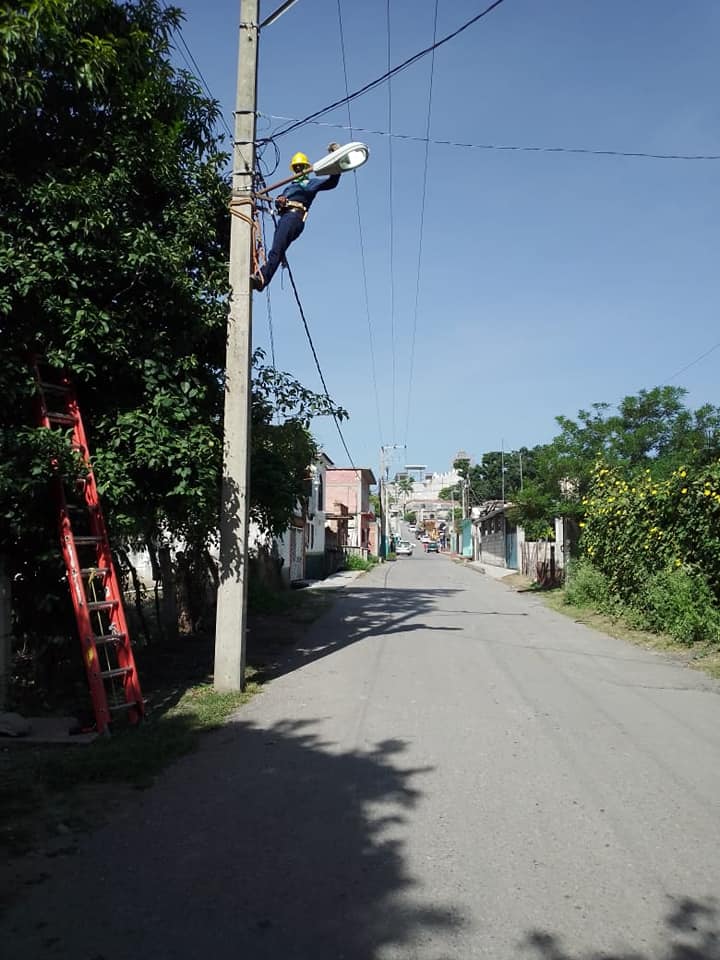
466,530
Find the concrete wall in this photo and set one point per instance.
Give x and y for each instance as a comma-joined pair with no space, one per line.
492,539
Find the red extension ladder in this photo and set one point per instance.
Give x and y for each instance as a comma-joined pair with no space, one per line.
97,601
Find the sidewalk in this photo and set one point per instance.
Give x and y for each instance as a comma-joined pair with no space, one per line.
335,581
491,569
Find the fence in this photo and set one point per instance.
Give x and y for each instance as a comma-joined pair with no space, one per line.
336,557
542,562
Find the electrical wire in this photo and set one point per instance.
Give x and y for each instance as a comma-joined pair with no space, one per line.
389,73
391,230
693,362
371,342
198,71
422,224
520,148
317,364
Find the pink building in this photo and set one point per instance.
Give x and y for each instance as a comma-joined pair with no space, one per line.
347,505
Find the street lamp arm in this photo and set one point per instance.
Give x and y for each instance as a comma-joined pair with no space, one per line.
277,13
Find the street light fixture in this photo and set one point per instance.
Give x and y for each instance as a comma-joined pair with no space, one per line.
342,160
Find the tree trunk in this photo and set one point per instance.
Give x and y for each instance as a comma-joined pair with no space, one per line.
5,634
168,607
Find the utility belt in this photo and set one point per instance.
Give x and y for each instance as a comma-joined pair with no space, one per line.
292,206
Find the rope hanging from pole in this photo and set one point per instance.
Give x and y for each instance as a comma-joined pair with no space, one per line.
258,250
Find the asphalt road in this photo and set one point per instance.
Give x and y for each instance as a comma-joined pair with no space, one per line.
449,770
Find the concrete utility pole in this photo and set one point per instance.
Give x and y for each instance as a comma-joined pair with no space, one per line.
386,449
232,593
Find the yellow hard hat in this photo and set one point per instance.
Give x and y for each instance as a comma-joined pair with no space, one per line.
299,158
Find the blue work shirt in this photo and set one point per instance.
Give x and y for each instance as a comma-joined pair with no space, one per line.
303,189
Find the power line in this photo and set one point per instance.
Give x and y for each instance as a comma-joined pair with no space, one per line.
519,148
389,73
422,224
199,73
693,362
391,219
362,240
317,364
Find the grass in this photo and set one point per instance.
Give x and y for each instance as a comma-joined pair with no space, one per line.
43,787
703,657
46,789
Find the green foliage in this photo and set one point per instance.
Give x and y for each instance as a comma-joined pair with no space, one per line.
651,548
534,509
637,525
405,485
114,232
587,587
112,250
678,602
353,561
411,517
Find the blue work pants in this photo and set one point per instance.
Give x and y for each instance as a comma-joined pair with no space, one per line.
290,226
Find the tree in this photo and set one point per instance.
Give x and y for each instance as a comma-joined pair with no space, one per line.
651,430
114,229
112,250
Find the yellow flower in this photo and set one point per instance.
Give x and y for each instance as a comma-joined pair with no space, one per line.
678,563
682,473
684,490
707,492
581,524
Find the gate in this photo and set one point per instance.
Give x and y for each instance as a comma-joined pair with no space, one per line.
511,549
296,553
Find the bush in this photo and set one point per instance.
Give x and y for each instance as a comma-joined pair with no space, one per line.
354,561
587,587
678,602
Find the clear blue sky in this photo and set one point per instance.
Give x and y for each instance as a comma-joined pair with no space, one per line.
549,281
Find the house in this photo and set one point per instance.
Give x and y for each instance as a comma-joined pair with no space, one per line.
316,519
350,521
300,550
495,539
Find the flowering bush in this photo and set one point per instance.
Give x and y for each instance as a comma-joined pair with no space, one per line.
657,543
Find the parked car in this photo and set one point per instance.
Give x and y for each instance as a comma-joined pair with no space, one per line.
404,548
433,547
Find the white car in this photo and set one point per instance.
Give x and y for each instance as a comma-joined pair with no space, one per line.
404,548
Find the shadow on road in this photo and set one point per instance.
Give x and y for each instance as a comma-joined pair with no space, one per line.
268,843
358,614
693,933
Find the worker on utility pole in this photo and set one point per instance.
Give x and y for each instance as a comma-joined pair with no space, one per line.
292,205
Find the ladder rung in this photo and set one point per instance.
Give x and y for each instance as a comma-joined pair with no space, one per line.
54,388
86,541
123,706
94,571
117,672
55,416
96,605
109,638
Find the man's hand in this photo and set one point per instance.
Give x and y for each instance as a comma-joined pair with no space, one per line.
280,202
332,147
